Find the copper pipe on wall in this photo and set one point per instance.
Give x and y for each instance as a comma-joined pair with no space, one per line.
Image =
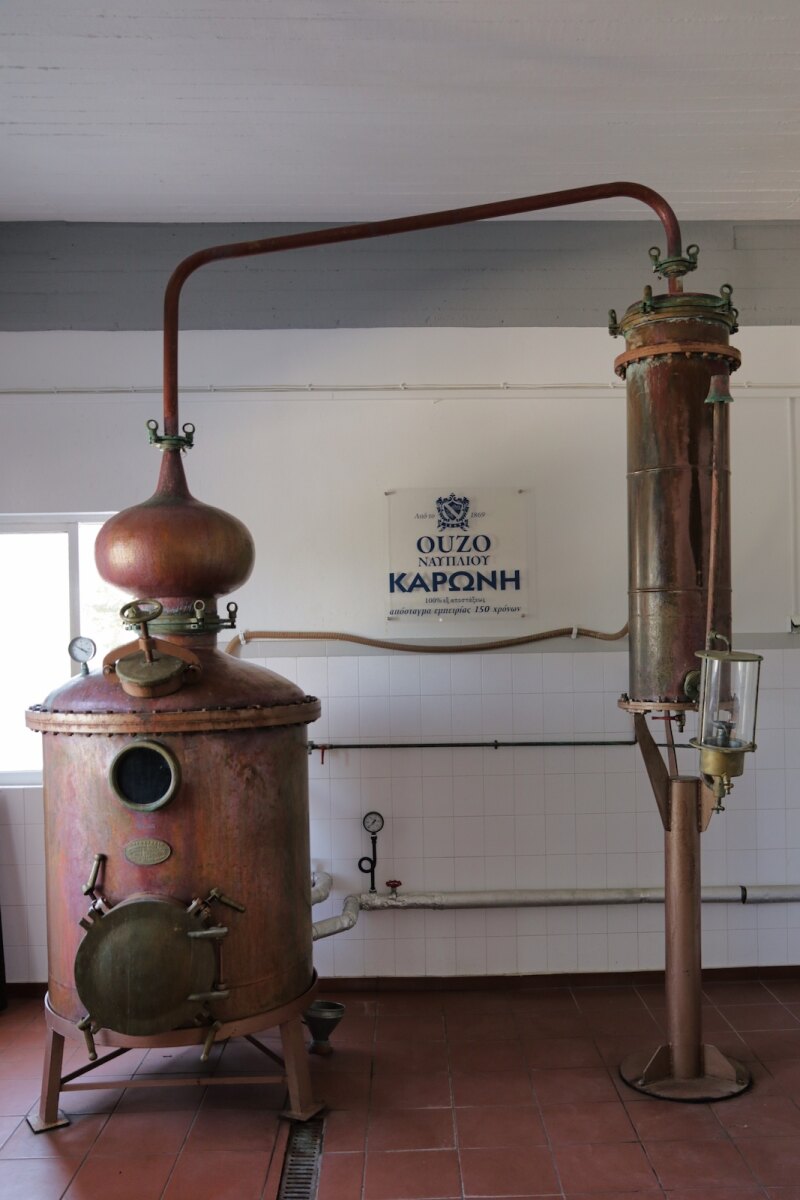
376,229
270,635
719,454
713,540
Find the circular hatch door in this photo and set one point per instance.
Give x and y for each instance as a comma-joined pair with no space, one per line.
137,967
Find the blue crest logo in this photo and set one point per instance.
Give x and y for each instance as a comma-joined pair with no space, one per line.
453,512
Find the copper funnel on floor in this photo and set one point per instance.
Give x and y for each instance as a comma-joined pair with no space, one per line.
321,1019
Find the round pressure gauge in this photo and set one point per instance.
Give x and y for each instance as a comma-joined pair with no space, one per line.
373,822
81,650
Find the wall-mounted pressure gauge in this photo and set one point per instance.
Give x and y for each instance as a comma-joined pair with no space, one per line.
373,823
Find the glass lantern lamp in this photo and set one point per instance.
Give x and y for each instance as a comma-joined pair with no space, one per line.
727,709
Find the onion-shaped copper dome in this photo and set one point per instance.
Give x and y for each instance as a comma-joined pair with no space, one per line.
173,547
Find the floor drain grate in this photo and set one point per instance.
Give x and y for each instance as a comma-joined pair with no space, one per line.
301,1164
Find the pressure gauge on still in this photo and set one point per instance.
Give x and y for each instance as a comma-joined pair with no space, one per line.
373,822
82,650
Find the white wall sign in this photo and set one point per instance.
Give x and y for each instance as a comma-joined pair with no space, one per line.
457,552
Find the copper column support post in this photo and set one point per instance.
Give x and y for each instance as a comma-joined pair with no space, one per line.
684,1068
682,928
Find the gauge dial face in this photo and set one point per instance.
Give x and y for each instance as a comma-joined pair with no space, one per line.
373,822
81,649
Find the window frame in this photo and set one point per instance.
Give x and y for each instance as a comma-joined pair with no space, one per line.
67,523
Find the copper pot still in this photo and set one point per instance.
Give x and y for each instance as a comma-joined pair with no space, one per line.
176,814
175,779
179,906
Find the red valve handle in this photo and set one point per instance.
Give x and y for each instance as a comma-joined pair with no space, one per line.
394,883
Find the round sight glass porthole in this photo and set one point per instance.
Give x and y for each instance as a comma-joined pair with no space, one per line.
145,775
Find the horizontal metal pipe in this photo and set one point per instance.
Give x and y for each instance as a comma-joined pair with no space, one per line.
494,744
325,747
780,390
541,898
544,898
218,389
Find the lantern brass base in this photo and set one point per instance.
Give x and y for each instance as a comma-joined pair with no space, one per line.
651,1072
719,762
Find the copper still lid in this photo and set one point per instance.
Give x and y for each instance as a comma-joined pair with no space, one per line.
229,693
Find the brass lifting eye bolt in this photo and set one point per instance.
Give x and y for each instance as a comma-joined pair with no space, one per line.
167,441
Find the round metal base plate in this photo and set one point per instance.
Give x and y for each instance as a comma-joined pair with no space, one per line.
649,1072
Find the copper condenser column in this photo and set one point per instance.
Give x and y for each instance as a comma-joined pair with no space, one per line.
676,367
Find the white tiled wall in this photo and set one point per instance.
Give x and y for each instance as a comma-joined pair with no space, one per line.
22,883
531,817
519,816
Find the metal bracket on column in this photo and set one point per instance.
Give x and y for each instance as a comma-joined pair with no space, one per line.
655,766
707,805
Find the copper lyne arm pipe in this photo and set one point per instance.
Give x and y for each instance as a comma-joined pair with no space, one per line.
374,229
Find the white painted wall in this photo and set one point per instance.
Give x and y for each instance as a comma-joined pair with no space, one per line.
307,472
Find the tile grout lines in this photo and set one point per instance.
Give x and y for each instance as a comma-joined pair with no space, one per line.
470,1031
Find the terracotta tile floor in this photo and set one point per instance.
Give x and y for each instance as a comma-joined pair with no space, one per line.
440,1094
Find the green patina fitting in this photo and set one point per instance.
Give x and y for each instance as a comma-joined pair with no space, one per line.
720,392
199,620
678,306
168,441
668,268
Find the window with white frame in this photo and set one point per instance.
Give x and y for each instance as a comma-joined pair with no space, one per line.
50,593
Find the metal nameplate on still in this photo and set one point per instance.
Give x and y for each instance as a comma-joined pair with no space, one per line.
147,852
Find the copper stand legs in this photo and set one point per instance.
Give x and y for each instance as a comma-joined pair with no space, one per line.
684,1068
302,1105
294,1069
49,1116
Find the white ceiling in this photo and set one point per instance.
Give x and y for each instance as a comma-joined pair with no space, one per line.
339,110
